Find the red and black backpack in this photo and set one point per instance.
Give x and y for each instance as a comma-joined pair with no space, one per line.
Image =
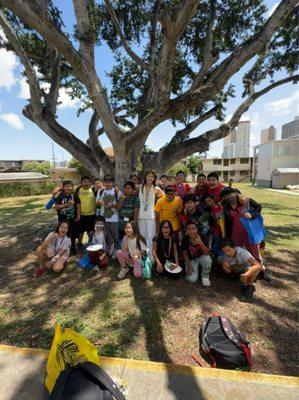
222,345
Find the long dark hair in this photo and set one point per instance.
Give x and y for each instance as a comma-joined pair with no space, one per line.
136,233
59,225
149,172
160,233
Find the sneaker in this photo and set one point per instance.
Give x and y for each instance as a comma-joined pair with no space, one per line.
123,272
247,291
39,272
264,276
206,281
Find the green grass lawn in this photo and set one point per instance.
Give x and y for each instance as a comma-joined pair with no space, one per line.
157,319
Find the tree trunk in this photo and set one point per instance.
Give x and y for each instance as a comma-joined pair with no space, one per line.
123,165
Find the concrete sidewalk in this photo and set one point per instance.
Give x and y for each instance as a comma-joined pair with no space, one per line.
22,373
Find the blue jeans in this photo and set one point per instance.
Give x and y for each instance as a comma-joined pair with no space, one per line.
205,263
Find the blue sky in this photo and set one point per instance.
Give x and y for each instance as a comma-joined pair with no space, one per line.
21,139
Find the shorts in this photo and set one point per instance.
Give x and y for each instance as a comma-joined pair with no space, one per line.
86,223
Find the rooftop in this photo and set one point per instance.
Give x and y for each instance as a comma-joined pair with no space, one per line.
13,176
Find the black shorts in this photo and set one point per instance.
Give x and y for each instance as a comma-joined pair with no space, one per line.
86,223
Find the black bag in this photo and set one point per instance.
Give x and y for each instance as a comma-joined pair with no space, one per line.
222,345
85,381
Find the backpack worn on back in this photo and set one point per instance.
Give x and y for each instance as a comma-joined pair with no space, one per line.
222,345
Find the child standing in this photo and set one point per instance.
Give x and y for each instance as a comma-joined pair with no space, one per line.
181,188
132,249
146,217
84,196
128,208
67,210
196,255
168,208
108,199
54,251
215,187
201,187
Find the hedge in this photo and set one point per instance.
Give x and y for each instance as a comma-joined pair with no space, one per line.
25,189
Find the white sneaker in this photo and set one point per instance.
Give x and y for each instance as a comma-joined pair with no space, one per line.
206,281
123,272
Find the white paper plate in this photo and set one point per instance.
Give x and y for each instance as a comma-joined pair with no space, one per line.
174,271
94,247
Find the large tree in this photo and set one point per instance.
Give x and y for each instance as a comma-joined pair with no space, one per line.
173,61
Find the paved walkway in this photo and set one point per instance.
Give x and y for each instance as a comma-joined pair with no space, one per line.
22,373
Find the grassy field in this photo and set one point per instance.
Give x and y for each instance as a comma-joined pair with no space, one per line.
153,320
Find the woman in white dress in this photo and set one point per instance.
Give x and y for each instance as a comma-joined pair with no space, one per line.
146,217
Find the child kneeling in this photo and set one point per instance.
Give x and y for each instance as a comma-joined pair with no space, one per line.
239,261
196,255
55,250
132,249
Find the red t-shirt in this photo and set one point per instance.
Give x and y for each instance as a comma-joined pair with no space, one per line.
238,228
201,190
216,192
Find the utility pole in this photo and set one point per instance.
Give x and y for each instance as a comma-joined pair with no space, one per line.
53,156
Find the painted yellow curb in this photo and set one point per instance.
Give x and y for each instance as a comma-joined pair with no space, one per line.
174,368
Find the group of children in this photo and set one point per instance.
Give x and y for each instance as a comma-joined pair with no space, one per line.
171,223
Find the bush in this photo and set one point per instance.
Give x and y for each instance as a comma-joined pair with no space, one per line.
36,166
173,170
25,189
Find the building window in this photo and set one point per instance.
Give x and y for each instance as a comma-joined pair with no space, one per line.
232,161
243,160
226,163
217,162
232,173
244,173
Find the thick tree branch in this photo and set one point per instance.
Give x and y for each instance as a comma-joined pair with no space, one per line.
95,144
52,97
35,94
253,46
170,154
38,18
153,34
218,79
123,40
208,59
174,23
86,36
182,134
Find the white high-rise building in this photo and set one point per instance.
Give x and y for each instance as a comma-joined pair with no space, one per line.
268,134
243,139
236,144
291,129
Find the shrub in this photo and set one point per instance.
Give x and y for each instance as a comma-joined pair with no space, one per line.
25,189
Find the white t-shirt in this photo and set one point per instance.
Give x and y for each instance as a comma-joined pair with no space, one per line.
147,203
240,260
108,196
61,243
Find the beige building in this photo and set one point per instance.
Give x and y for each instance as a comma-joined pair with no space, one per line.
274,155
268,134
237,168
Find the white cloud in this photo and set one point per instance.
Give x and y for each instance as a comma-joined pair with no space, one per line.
244,117
8,64
66,101
24,92
13,120
272,9
64,97
283,106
